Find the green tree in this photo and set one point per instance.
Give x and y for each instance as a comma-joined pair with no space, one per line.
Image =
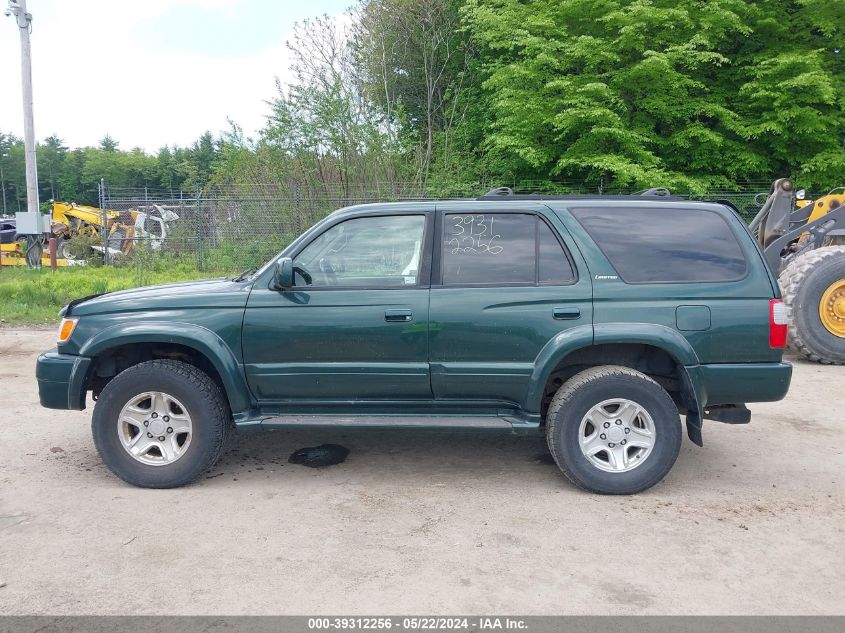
605,92
9,171
793,97
634,93
50,155
414,61
108,144
322,126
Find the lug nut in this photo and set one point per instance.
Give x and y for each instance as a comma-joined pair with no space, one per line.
603,436
155,415
166,418
623,442
611,444
618,421
627,430
146,422
170,429
160,438
149,434
606,424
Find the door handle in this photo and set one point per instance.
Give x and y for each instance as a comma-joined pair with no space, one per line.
401,315
567,313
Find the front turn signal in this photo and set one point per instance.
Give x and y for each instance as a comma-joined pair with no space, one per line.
66,328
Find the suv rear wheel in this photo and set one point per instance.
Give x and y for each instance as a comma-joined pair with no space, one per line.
613,430
160,424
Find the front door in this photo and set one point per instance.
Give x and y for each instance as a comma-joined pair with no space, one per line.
504,284
355,326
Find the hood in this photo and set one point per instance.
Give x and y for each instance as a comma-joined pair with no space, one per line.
211,293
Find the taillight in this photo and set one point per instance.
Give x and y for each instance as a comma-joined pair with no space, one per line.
777,324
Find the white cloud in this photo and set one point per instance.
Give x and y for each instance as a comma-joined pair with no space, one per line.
93,75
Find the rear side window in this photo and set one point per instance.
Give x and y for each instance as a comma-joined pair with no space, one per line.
665,245
553,266
502,248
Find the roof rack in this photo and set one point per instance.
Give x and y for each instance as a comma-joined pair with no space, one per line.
655,193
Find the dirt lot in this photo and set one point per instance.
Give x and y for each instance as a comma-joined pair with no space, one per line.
419,523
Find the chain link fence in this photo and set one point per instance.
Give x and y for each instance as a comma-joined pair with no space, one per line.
230,229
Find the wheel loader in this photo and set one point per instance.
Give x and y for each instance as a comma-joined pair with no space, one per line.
804,243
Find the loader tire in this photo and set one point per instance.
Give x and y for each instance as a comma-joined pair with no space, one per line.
813,287
63,249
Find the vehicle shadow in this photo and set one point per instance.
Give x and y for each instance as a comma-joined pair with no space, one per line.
388,452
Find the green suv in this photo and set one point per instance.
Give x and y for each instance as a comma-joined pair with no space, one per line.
597,321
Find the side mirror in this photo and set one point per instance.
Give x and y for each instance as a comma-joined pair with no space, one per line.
284,274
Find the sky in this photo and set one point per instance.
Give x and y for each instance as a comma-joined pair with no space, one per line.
149,73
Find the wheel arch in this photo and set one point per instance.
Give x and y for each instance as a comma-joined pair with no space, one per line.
656,350
205,348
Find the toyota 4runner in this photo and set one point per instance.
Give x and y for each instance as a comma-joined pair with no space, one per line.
596,321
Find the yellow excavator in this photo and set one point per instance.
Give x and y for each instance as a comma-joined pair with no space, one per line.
69,220
804,243
118,231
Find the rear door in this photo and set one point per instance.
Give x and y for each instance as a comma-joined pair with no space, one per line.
690,268
504,282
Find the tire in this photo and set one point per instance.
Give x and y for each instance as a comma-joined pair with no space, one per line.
63,249
202,403
580,396
803,283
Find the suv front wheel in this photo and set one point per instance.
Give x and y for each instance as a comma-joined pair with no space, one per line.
613,430
160,424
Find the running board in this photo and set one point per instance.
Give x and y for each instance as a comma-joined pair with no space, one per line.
396,422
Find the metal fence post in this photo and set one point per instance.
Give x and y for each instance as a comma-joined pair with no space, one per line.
199,219
297,212
105,230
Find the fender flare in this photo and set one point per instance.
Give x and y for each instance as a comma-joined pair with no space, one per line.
198,338
670,341
562,344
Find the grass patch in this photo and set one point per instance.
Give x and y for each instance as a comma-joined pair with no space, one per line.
34,297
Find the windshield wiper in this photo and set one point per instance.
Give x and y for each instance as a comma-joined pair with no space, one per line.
245,274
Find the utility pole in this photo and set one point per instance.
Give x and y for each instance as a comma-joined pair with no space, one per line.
23,18
17,8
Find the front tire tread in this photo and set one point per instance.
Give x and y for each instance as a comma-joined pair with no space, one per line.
202,387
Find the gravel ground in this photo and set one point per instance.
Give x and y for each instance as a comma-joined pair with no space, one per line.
417,522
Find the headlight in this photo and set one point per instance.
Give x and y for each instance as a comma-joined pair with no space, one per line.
66,328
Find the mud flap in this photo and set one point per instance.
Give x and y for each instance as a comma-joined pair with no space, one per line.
693,408
694,428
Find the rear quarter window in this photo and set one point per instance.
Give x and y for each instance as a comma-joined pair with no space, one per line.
669,245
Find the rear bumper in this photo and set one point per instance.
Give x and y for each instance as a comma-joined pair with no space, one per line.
61,380
731,383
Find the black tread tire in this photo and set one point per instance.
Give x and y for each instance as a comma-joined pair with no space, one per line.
802,284
591,386
202,398
62,251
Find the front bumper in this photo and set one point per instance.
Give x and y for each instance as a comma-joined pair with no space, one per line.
61,380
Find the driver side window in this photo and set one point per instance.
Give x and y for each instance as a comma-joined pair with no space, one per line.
374,251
